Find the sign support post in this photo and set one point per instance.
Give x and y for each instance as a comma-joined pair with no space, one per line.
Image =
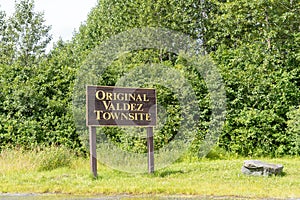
93,153
150,147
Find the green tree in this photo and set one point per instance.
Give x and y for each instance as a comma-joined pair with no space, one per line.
254,44
23,39
112,17
109,18
28,33
6,47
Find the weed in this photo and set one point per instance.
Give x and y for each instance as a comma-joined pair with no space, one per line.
54,157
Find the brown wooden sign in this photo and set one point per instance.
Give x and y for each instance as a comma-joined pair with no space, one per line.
116,106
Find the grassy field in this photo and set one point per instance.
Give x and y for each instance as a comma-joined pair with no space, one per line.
59,171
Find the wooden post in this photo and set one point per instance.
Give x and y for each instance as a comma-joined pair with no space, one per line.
93,153
150,150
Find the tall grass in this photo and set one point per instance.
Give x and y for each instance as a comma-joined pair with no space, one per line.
54,157
39,159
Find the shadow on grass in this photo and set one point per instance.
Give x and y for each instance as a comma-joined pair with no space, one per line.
282,174
168,173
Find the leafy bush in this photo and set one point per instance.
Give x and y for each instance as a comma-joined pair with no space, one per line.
293,130
255,45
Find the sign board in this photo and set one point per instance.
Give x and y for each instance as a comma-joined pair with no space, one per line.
116,106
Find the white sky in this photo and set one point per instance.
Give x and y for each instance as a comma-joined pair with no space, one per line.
64,16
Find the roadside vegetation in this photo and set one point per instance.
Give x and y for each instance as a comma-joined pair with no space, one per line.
255,46
59,171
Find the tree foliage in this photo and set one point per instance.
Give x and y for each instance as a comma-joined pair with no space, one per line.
255,44
293,129
34,93
25,34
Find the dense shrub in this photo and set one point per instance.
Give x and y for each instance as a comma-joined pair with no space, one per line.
255,45
293,130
